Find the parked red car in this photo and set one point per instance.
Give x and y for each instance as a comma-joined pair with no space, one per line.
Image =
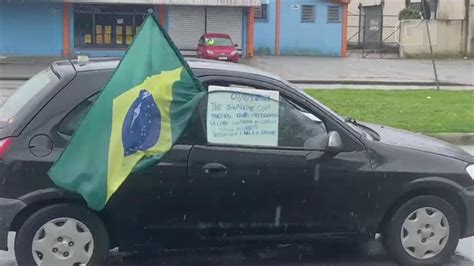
217,46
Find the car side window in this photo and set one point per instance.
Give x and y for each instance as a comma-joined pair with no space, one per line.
201,41
68,124
253,117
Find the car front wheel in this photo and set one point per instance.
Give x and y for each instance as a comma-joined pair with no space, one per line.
423,231
62,234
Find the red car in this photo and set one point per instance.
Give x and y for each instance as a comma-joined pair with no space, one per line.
217,46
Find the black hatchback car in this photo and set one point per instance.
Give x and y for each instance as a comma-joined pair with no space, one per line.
311,174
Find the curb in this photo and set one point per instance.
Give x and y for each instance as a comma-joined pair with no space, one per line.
330,82
10,78
375,82
465,139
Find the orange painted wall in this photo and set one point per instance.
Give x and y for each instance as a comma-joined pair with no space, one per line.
344,30
250,32
66,29
277,27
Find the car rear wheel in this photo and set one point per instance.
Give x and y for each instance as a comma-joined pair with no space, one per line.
62,234
423,231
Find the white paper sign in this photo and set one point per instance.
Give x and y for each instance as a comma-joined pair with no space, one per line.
242,116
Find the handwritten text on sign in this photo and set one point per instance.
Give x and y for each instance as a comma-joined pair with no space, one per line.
242,116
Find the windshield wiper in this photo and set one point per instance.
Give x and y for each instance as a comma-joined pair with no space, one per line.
366,129
351,120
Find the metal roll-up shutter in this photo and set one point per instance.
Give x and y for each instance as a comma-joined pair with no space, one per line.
226,20
186,25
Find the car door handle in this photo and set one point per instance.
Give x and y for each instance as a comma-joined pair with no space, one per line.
215,169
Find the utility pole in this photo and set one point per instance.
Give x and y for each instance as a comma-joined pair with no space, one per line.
467,23
425,16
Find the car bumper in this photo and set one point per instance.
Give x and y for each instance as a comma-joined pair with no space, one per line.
232,58
9,208
467,196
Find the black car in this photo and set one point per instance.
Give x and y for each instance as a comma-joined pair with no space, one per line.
319,175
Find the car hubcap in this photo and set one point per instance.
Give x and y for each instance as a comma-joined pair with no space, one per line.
63,241
425,233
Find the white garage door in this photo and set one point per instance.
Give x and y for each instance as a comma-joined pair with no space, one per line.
226,20
186,25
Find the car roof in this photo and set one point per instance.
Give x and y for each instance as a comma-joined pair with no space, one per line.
210,34
107,63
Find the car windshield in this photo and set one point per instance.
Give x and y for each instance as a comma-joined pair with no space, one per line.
26,93
354,126
312,99
218,41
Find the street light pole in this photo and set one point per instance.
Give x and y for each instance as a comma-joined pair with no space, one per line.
425,16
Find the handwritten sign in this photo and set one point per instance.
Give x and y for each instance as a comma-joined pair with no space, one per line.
242,116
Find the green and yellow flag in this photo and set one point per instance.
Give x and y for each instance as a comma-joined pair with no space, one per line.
140,113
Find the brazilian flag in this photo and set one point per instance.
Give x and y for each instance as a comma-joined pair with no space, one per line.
138,116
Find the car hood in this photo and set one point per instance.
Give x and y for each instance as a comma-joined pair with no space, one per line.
416,141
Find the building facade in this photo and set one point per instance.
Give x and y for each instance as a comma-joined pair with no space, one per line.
107,27
450,24
301,27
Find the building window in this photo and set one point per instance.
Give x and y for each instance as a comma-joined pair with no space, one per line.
308,14
107,26
261,12
333,14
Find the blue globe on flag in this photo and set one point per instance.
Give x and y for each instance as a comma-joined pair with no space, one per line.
141,126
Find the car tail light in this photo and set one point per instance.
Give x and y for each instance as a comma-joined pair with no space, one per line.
4,146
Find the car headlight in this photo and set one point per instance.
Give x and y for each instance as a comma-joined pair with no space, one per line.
210,52
470,170
233,52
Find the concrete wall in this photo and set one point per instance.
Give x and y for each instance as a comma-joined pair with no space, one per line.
452,9
447,38
30,29
264,33
318,38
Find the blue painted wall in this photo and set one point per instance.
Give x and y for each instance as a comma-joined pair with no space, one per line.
30,28
264,32
296,38
318,38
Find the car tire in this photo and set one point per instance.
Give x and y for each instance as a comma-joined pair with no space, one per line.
424,231
67,234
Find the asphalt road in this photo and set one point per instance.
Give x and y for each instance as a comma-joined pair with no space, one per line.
323,253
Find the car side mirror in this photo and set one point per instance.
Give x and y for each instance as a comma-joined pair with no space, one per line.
334,142
236,45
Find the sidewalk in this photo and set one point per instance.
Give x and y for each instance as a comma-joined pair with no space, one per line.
22,68
315,70
355,70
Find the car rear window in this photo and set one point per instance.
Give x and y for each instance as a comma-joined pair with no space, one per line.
27,93
215,41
